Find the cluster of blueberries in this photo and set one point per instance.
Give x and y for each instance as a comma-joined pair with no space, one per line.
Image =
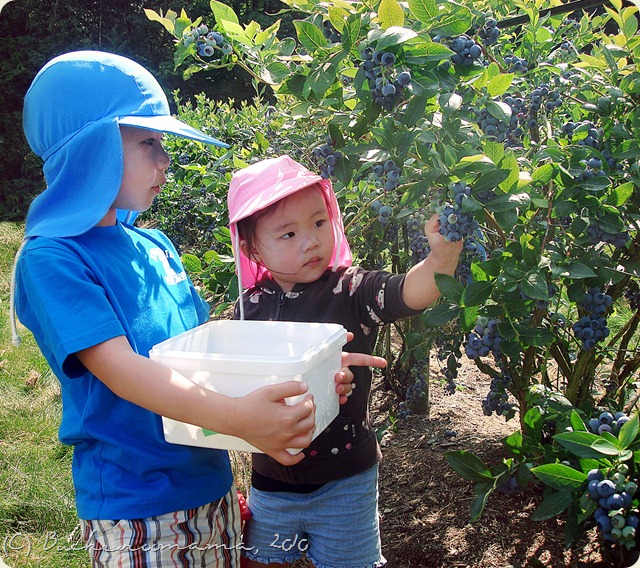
326,157
385,82
415,391
387,173
632,294
329,32
608,422
615,517
592,327
593,168
471,249
484,339
598,234
489,32
383,211
524,112
593,137
208,44
516,64
465,50
497,399
454,223
418,244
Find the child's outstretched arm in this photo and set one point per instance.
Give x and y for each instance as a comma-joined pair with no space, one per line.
420,290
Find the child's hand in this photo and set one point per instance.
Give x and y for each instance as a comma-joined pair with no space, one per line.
437,243
344,378
264,419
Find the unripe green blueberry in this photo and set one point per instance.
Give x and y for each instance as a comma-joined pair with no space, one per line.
629,532
616,533
618,521
623,468
631,488
618,478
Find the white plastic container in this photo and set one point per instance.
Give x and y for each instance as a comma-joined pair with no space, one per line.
235,358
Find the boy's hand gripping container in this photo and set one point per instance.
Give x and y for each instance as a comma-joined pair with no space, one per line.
235,358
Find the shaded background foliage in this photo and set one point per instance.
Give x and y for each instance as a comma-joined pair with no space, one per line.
32,32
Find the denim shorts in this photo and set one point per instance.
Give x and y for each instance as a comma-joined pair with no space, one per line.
336,526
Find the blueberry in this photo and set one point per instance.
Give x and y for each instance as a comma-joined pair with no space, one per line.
595,474
633,521
604,523
615,501
387,59
593,489
606,488
606,417
404,78
604,428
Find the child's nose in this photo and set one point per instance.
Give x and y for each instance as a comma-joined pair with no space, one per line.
311,242
164,161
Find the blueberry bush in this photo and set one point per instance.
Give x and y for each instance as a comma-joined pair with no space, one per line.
518,125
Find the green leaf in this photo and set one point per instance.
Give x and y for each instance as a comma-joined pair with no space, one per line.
552,506
468,317
571,269
559,476
490,180
423,10
390,14
191,263
586,445
168,23
451,288
321,78
544,174
482,492
222,12
534,285
629,432
309,36
537,336
576,422
475,294
499,85
440,315
468,466
414,111
274,73
395,35
499,110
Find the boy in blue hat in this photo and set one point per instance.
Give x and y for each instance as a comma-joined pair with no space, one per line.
98,293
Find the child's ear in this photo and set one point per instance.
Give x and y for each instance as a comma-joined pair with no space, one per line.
248,252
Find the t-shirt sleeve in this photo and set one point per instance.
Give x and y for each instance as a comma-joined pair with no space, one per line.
60,301
376,296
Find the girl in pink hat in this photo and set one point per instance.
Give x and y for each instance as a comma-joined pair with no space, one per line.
294,264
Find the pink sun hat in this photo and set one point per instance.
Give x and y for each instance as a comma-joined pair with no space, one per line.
262,184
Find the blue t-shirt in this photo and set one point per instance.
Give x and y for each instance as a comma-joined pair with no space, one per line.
73,293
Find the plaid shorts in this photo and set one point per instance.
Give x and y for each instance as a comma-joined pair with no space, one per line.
209,536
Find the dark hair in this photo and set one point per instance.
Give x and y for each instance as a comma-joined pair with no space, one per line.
247,226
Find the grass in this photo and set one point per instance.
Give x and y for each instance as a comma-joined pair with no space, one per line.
38,523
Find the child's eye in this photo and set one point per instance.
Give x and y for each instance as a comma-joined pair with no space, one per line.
320,222
289,235
150,141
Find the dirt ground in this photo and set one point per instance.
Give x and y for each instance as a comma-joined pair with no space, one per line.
424,505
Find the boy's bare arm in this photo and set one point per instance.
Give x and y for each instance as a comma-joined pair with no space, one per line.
420,290
262,418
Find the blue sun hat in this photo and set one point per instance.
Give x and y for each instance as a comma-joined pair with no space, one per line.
72,113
